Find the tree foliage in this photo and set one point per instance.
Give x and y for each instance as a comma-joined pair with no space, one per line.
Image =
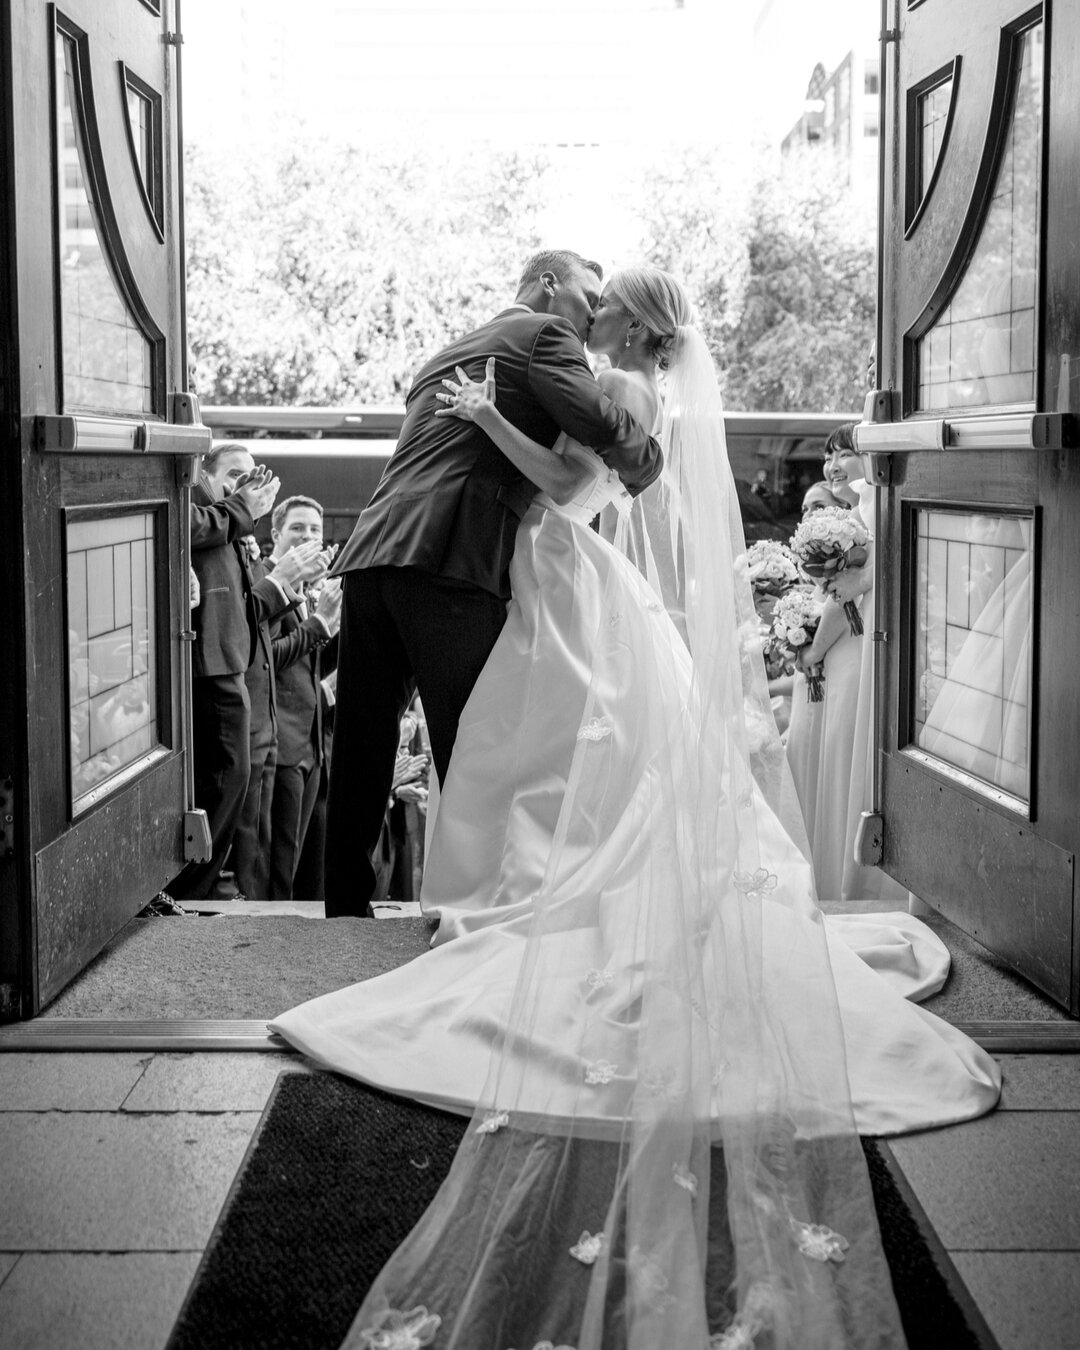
328,274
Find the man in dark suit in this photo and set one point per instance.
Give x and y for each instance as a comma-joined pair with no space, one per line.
304,643
229,497
427,568
250,856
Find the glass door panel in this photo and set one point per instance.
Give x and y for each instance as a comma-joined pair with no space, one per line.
973,615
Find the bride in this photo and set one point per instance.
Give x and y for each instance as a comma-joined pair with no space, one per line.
666,1052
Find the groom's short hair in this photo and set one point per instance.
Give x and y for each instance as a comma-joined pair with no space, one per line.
558,260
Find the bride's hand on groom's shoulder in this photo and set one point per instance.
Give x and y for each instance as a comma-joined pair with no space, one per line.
468,399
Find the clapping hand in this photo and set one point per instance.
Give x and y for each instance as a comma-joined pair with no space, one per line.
258,490
409,773
468,398
328,605
304,562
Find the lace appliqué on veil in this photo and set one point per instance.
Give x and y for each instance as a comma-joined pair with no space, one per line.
599,979
588,1247
648,1281
754,1317
596,729
756,885
657,1082
394,1330
600,1071
682,1176
550,1345
819,1243
493,1120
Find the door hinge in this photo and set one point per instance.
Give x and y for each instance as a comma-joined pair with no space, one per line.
890,35
198,843
7,816
173,39
870,839
879,635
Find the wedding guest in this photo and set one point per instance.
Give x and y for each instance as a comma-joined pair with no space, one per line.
817,497
830,744
309,883
251,841
305,651
399,854
230,496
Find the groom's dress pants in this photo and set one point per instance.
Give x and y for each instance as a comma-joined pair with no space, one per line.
401,630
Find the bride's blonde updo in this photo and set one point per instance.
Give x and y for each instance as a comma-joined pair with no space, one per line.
658,301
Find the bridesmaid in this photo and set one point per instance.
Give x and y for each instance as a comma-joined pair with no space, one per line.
830,745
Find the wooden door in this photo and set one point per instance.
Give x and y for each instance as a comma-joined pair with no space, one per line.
974,438
99,439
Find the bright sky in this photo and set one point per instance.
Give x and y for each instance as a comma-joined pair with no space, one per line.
556,70
586,73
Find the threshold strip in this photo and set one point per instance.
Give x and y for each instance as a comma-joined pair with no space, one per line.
60,1033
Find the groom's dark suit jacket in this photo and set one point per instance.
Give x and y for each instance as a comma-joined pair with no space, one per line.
449,501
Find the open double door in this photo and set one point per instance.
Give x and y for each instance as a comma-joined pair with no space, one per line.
974,434
96,448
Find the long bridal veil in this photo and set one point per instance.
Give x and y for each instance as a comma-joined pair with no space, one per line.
664,1154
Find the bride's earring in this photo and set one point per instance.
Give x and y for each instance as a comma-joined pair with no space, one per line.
628,341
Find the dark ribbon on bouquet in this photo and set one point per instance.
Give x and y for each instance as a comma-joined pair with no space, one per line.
827,568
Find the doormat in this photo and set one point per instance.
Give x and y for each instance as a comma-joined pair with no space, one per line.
252,968
338,1173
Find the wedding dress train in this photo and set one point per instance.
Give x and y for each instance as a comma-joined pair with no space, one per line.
631,988
427,1030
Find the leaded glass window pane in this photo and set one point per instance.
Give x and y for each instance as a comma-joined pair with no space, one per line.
106,360
141,117
112,682
981,350
973,613
933,113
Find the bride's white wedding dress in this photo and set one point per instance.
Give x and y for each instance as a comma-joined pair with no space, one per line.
541,715
665,1049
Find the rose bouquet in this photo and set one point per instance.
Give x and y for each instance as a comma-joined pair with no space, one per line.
771,570
771,567
795,621
826,543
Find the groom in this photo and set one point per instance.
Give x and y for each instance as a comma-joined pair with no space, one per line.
426,572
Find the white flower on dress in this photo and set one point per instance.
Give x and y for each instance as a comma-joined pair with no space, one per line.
819,1243
683,1177
493,1120
596,729
599,979
394,1330
615,620
600,1071
756,885
718,1073
588,1247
